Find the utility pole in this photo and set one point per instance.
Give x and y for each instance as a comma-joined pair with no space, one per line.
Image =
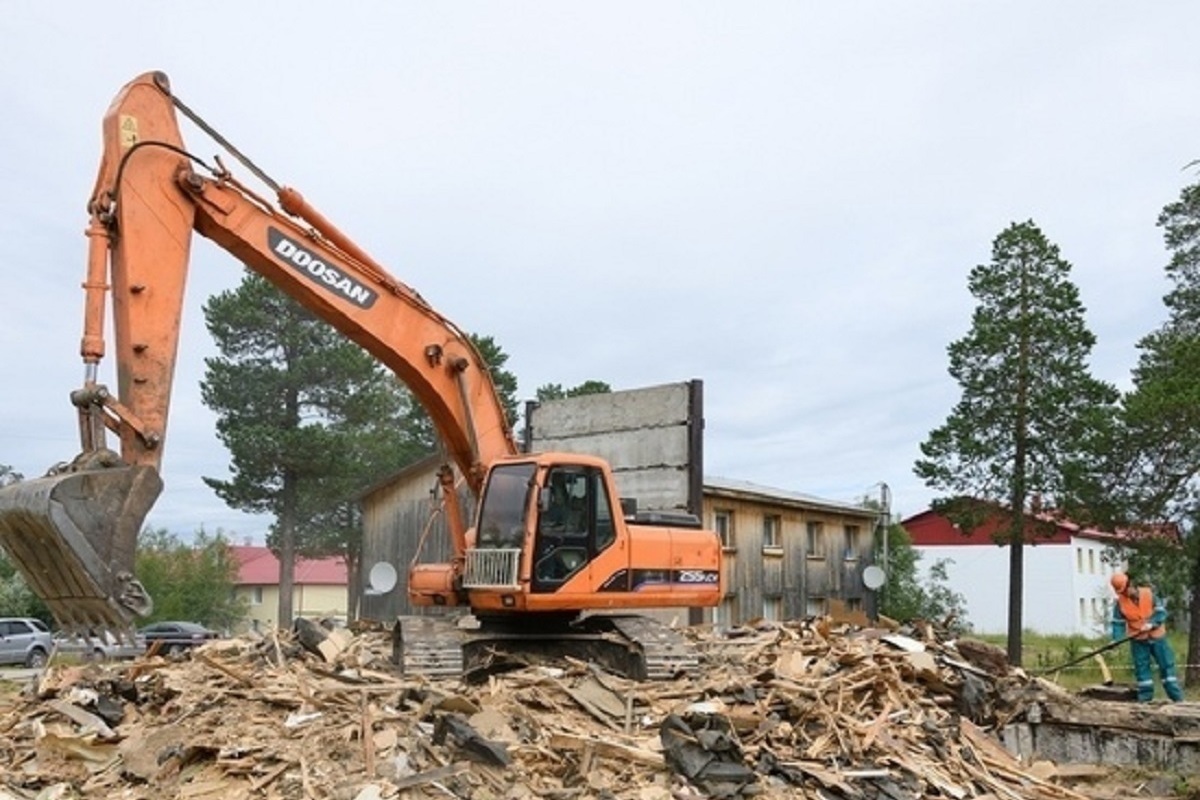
885,519
875,576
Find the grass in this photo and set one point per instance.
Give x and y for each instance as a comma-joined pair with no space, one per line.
1040,652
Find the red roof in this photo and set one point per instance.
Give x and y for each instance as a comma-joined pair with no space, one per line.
258,566
929,528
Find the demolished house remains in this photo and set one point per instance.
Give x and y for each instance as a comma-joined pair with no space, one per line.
797,709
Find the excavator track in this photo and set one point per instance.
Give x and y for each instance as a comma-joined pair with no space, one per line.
667,654
640,648
429,646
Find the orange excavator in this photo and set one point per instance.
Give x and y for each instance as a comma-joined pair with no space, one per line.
551,544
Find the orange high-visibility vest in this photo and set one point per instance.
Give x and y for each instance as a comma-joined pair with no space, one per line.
1138,614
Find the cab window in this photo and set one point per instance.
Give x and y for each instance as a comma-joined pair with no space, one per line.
502,514
565,510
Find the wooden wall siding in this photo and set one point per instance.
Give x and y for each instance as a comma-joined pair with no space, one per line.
772,574
852,584
394,517
792,576
817,581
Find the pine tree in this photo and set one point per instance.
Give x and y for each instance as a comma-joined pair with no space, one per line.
1025,425
1156,474
309,418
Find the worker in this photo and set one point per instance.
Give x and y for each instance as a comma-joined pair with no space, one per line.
1137,613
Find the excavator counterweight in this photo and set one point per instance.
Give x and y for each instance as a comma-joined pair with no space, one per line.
74,535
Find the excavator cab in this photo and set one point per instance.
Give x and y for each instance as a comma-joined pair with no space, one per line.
571,523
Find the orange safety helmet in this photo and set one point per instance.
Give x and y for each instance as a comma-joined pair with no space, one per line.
1119,581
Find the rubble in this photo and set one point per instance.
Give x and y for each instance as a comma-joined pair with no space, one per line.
779,710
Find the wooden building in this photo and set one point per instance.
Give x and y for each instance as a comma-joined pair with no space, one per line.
401,520
787,555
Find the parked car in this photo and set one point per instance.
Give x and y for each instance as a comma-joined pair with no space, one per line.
24,640
175,637
100,646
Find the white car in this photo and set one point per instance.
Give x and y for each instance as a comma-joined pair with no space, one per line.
100,646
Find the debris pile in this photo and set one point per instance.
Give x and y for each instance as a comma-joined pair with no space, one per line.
780,710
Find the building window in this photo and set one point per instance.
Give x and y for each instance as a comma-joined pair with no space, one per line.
256,595
852,542
723,525
771,525
1091,562
812,543
1079,560
1083,620
772,609
854,604
815,607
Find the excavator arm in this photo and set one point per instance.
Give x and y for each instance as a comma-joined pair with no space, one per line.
73,533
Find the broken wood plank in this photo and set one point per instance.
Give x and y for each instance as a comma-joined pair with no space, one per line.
608,749
237,675
431,776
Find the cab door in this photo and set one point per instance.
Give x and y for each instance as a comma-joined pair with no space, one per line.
575,526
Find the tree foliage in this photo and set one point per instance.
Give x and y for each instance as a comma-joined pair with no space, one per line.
1030,416
904,597
504,381
943,604
900,597
309,419
9,476
192,582
555,391
16,598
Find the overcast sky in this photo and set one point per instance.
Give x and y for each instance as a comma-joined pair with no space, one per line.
780,199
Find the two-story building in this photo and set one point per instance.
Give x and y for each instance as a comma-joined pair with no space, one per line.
787,554
1065,578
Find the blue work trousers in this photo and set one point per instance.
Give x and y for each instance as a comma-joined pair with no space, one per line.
1158,651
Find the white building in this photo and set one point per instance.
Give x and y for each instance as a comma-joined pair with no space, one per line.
1065,586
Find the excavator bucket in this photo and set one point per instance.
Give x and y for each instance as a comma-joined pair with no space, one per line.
73,536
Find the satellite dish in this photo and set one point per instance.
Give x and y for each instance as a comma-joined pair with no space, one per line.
873,577
382,578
